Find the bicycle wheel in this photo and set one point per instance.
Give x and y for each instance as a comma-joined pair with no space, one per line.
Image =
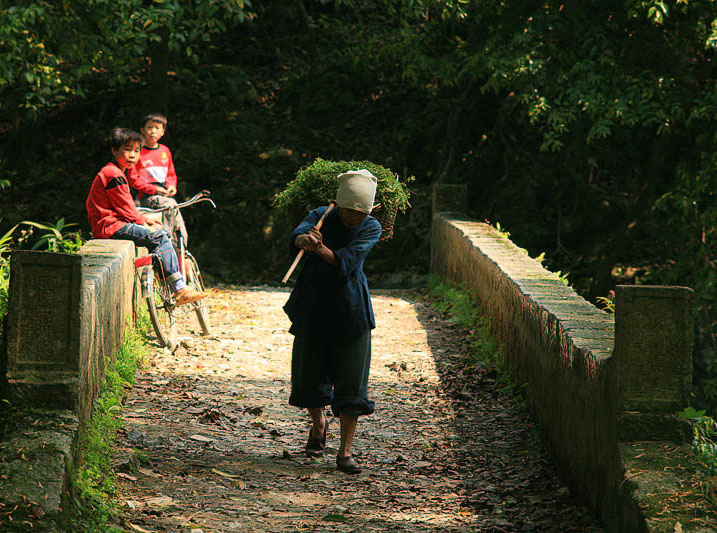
161,308
194,280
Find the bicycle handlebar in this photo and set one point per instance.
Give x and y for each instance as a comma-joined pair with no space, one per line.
201,196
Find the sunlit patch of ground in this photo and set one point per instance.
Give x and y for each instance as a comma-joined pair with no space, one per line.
212,444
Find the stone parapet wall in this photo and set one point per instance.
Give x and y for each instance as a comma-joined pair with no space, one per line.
556,347
592,383
68,315
109,307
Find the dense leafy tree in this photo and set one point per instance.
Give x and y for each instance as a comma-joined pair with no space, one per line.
112,45
600,144
587,128
40,67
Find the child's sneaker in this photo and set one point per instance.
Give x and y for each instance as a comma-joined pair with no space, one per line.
188,295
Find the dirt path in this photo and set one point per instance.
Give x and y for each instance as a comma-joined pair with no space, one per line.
211,444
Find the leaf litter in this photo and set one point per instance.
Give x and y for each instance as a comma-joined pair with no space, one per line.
446,449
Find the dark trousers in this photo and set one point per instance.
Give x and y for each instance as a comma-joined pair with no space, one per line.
332,372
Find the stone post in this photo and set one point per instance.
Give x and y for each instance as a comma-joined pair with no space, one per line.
653,351
67,317
68,313
451,198
446,198
44,328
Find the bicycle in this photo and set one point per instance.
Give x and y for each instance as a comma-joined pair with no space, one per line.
156,291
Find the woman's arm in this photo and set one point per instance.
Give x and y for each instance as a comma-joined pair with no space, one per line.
313,242
352,255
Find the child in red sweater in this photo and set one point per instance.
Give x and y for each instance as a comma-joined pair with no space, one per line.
113,214
154,177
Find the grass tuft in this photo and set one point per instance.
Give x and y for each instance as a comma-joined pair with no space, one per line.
95,484
464,310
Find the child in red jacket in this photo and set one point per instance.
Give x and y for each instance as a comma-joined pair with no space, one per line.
113,214
154,177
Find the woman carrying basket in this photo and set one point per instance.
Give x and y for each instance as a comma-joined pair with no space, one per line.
331,314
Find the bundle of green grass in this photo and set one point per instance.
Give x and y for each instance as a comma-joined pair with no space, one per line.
316,185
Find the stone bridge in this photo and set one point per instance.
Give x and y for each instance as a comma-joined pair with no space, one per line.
604,392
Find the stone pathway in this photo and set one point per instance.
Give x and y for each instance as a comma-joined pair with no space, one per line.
211,445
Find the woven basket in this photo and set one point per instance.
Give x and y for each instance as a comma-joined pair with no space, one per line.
387,218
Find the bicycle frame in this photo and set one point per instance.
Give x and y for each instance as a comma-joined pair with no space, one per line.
154,285
152,260
202,196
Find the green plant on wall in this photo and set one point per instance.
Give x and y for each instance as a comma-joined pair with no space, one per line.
607,303
704,438
5,246
316,184
56,238
464,309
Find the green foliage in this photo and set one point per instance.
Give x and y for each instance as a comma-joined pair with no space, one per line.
192,23
56,239
409,11
504,232
463,308
704,438
40,68
316,184
563,278
608,304
5,247
600,85
95,481
30,74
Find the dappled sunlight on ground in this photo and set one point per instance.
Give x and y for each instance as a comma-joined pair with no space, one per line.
211,443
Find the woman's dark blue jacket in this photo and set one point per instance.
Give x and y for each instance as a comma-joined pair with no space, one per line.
333,302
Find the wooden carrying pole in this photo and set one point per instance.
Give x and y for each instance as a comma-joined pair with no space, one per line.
332,204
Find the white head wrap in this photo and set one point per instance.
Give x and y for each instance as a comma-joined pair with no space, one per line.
357,190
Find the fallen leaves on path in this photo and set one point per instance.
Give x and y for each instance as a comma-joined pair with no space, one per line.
211,444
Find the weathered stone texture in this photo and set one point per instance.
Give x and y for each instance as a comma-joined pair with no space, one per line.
588,389
654,340
556,347
43,312
37,459
67,314
108,308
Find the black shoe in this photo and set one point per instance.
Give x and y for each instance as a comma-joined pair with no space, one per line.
316,447
348,465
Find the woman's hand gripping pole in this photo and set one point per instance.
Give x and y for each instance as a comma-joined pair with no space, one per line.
298,257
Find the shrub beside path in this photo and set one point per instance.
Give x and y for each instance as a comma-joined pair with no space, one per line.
210,443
